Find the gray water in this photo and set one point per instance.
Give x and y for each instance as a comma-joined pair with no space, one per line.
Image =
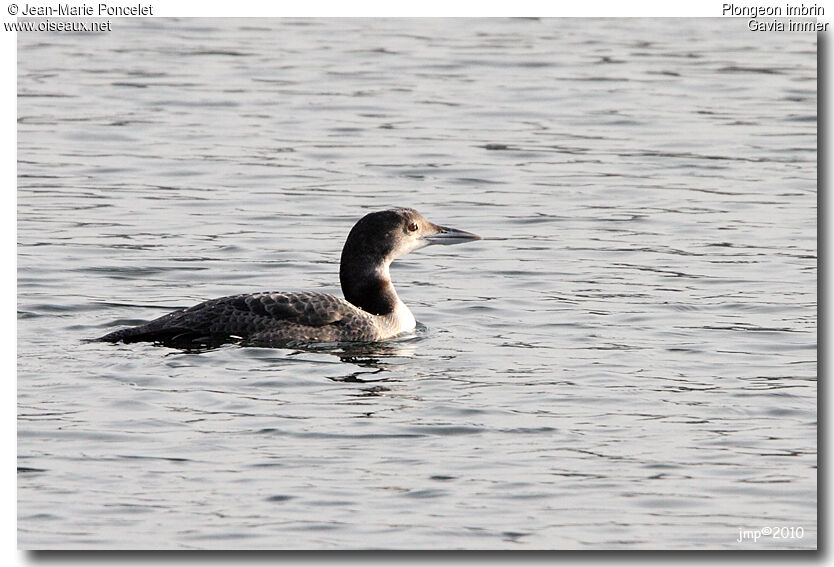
627,361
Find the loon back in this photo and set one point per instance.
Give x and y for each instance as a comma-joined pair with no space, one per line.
262,318
372,310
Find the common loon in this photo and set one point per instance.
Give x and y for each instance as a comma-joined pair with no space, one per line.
371,310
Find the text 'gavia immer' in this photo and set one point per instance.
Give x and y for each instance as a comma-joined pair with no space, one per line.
373,310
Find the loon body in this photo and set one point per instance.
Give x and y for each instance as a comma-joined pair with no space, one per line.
371,310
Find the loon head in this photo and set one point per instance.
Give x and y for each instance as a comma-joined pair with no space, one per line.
376,241
380,237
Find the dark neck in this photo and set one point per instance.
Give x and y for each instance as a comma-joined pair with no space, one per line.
368,288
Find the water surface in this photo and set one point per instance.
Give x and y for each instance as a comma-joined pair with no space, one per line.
628,361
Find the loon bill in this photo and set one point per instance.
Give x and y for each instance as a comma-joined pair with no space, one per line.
371,310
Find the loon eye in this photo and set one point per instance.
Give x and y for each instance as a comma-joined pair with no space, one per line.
412,226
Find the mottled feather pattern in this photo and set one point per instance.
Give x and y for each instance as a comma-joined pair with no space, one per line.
261,318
